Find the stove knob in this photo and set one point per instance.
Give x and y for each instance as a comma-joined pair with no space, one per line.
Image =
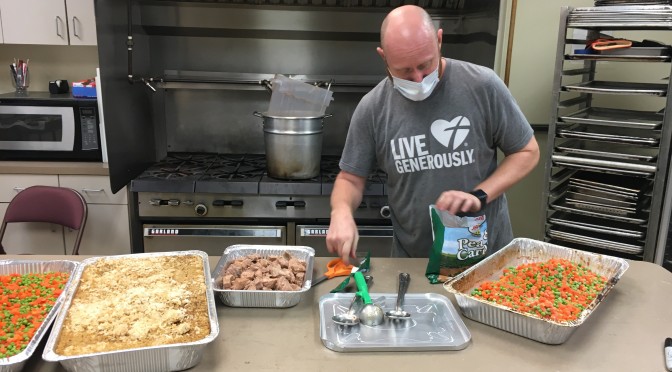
173,202
155,202
201,209
385,211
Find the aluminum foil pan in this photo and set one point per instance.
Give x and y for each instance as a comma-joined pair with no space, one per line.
16,362
521,251
279,299
172,357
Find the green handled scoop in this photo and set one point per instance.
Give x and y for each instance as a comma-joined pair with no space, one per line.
371,314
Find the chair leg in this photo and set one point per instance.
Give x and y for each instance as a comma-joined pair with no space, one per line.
3,227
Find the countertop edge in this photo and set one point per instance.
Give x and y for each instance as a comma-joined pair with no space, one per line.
61,167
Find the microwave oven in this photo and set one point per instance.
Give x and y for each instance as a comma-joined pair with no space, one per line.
42,126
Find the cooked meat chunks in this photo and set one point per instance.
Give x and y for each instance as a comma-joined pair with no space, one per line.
256,273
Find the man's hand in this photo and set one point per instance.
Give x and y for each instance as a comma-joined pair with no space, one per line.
342,236
345,197
456,202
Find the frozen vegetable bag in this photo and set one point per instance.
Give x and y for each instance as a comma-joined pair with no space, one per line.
458,243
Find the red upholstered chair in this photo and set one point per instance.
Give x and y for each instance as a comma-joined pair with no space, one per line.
57,205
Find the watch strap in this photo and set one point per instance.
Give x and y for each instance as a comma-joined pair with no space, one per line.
482,197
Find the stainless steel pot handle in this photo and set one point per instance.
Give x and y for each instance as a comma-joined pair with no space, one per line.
267,84
259,114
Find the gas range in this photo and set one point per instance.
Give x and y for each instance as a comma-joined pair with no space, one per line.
236,186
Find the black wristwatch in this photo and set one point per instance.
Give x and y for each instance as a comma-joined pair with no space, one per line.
482,197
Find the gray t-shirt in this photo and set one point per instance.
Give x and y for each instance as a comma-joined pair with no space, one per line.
448,141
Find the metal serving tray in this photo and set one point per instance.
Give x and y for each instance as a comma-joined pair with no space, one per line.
616,135
277,299
590,189
434,325
561,205
615,118
621,185
614,151
16,362
595,242
602,169
615,87
607,164
619,57
172,357
597,225
521,251
606,200
600,207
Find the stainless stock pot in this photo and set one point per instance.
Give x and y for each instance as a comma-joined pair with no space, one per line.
293,145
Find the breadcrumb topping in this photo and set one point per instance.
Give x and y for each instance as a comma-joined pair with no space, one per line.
130,303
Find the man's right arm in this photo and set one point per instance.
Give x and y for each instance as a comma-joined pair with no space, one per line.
345,198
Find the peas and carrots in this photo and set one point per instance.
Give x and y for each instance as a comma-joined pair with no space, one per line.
556,290
25,300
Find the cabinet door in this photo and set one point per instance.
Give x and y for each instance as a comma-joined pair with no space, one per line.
34,22
81,22
106,231
95,189
11,184
32,238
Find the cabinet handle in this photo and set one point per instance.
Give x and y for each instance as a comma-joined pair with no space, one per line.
18,189
74,25
58,30
92,190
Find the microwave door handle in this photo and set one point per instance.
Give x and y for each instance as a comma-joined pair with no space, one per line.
39,125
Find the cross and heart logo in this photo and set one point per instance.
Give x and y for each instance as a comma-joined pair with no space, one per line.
455,130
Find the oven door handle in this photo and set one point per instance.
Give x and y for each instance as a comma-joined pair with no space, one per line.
364,232
214,232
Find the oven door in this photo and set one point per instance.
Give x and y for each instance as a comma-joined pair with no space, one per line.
212,239
377,239
37,128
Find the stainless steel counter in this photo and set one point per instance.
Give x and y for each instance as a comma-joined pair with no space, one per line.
625,333
54,167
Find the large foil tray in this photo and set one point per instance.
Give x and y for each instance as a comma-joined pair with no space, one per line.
521,251
435,324
273,299
171,357
16,362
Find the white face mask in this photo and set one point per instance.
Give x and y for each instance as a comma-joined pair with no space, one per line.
417,91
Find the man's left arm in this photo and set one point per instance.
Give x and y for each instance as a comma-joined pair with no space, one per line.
513,168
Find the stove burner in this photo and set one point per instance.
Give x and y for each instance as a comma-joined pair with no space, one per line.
220,172
236,167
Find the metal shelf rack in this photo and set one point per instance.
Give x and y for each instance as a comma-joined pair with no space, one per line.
607,168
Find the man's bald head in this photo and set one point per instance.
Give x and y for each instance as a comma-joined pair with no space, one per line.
406,24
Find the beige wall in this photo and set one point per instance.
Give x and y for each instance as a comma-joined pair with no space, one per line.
533,55
530,81
48,62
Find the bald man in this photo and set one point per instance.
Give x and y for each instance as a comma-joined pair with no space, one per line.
434,126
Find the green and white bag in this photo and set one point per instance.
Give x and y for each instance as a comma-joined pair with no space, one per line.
458,243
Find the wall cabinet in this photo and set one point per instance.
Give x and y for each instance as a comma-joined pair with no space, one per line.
70,22
107,226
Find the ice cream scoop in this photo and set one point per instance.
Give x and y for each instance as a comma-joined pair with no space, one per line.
371,314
